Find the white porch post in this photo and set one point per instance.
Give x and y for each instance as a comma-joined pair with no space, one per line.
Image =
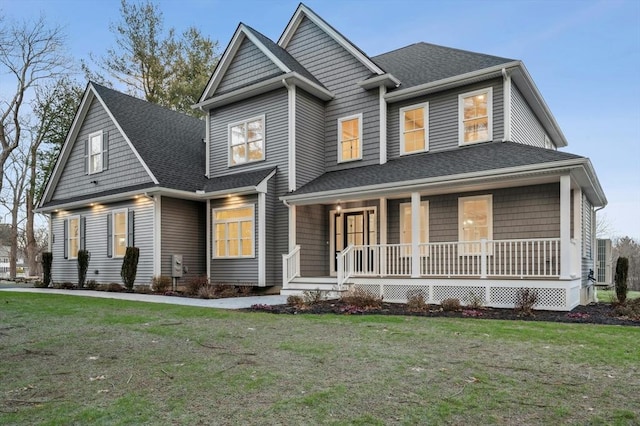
565,227
262,244
382,253
292,228
415,235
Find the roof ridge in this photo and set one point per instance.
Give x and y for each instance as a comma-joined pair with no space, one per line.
440,46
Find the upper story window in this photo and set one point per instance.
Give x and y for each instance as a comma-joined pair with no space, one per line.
233,233
475,222
95,152
414,129
246,141
475,116
350,138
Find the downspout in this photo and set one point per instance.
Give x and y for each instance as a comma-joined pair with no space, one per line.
506,104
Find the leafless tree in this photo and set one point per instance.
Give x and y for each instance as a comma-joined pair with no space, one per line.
12,199
30,52
604,229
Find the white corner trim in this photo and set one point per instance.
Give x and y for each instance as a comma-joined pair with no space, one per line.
207,143
506,104
208,237
157,235
292,136
262,235
383,124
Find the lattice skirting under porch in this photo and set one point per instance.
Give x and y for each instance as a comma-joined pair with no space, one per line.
555,295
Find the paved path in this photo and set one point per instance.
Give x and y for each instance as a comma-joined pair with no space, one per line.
230,303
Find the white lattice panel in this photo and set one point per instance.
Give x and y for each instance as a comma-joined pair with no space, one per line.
463,294
548,298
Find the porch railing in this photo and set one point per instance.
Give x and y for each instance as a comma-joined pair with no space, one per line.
530,258
290,266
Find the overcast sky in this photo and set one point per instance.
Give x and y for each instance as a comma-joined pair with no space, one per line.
584,56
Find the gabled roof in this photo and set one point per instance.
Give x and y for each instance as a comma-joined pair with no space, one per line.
303,11
421,63
479,161
280,57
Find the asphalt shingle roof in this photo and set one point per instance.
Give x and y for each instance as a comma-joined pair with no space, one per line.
238,180
422,63
470,159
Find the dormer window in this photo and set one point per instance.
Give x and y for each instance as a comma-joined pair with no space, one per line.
350,138
246,141
95,152
475,116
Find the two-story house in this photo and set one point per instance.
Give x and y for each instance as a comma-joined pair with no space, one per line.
425,169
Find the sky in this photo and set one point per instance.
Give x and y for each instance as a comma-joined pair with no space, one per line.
583,55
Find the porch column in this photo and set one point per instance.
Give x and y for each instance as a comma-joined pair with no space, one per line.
262,236
577,243
565,227
415,234
383,221
292,228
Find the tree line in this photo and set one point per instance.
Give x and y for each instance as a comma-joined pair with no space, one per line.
46,83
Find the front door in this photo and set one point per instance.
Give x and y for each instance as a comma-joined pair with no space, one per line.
353,228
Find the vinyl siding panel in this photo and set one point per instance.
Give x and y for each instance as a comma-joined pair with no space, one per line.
525,127
236,271
312,234
66,270
183,228
309,138
443,117
124,168
249,65
587,240
339,71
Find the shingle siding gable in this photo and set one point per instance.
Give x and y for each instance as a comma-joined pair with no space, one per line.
124,168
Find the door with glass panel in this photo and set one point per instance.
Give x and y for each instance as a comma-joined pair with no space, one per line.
356,228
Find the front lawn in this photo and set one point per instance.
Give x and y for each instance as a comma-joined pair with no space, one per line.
76,360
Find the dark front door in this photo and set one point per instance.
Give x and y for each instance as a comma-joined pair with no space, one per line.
352,229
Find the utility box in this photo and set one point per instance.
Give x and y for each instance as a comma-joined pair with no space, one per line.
176,266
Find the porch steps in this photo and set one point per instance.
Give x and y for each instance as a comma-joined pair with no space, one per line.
299,285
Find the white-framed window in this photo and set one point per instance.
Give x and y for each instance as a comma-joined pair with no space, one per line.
414,129
233,232
95,152
73,237
405,222
246,141
350,138
120,228
475,116
475,222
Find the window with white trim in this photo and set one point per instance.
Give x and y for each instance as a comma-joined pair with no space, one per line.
475,116
120,227
73,237
475,221
95,152
414,129
246,141
233,232
405,222
350,138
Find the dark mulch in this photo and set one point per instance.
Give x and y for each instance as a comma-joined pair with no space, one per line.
595,313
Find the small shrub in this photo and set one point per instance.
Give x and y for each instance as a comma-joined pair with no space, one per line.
471,313
47,261
245,290
261,307
622,268
359,298
630,309
416,302
312,297
296,301
526,299
475,301
194,284
83,265
130,267
451,305
352,310
142,289
64,286
92,284
160,284
113,287
39,284
207,292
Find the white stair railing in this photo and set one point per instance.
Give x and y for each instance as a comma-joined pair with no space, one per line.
290,266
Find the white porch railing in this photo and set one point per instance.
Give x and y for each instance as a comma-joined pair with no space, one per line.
290,266
530,258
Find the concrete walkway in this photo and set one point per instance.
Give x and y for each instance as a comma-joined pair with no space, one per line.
230,303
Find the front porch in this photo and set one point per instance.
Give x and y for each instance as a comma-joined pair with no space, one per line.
492,272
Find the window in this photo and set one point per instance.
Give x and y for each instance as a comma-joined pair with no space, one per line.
414,133
233,232
350,138
119,233
95,152
405,222
246,141
475,116
73,237
475,221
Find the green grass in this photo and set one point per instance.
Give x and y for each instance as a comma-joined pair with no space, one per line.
74,360
608,296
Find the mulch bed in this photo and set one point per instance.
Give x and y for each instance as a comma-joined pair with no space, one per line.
595,313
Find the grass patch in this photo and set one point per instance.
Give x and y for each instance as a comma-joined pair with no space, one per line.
75,360
609,296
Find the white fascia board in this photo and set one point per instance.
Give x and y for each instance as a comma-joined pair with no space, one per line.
388,80
450,82
126,138
98,200
303,11
264,49
88,96
408,186
262,186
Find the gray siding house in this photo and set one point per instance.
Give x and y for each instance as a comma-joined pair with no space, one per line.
425,170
